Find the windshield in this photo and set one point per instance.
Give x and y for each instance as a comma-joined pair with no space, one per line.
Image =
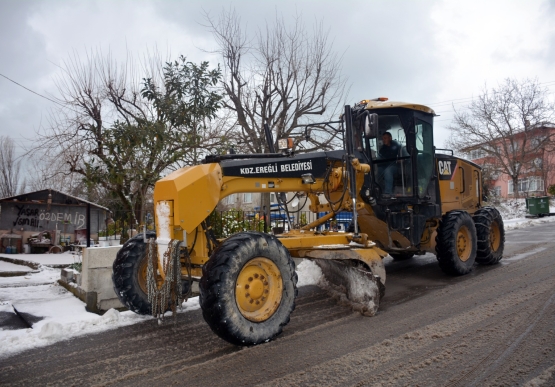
392,171
391,125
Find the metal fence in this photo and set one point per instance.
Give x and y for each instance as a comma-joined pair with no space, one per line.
227,223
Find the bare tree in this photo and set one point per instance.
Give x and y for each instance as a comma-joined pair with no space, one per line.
121,131
545,165
509,124
285,77
10,177
52,172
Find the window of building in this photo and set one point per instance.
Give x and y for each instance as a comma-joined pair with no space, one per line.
247,197
231,199
497,191
272,198
530,184
477,154
513,146
535,184
536,141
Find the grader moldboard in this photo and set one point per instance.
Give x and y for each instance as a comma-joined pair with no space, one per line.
406,200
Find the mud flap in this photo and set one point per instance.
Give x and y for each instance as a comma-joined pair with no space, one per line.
352,284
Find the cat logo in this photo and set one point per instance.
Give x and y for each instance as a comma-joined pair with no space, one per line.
446,169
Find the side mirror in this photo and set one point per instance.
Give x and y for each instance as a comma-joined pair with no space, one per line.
371,126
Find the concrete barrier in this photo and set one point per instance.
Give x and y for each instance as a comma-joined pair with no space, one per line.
96,279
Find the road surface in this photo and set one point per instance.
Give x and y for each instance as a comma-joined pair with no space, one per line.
494,327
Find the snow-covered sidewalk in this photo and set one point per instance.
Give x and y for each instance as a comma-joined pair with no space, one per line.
61,316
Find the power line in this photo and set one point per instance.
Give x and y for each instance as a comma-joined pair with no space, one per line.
40,95
34,92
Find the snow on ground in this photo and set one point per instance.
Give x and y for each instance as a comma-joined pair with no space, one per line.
65,258
64,316
517,223
45,275
514,214
7,266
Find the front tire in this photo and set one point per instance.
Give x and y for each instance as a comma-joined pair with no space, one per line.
129,274
491,235
456,243
248,288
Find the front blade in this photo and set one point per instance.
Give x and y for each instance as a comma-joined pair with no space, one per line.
352,284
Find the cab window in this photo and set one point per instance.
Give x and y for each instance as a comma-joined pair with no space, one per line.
424,158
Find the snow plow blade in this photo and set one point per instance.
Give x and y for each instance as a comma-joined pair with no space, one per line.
354,276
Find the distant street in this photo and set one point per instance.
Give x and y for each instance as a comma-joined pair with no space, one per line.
494,327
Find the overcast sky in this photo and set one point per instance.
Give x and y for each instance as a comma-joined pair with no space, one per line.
431,52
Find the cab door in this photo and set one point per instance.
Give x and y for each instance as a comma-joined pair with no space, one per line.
451,177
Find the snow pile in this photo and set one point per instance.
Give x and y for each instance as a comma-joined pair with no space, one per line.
513,212
62,315
308,273
350,286
512,208
51,330
516,208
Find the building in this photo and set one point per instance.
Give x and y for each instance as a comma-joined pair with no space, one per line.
535,156
62,216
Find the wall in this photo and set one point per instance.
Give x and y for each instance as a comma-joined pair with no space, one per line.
29,218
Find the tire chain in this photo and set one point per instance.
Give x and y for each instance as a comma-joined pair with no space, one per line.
171,287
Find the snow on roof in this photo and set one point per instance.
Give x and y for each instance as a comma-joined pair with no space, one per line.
19,197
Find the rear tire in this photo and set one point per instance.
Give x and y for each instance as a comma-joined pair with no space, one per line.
129,274
456,243
248,288
490,232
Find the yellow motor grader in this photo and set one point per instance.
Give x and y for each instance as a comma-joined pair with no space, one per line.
407,198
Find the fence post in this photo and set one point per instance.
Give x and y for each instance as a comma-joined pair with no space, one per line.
265,220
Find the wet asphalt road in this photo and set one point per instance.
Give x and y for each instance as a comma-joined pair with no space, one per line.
495,326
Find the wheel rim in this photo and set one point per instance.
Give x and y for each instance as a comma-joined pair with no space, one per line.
142,274
258,289
495,236
464,244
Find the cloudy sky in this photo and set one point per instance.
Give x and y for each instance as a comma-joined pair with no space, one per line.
437,53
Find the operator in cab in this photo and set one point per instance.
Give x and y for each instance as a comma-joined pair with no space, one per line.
389,150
